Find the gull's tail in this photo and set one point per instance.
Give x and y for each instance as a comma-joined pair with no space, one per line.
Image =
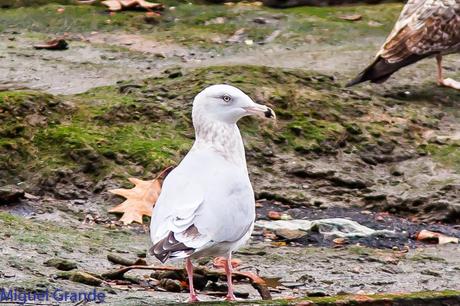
380,70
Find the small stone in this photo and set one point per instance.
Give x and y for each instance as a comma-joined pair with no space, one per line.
316,294
292,284
290,234
260,20
171,285
61,264
431,273
10,194
64,275
85,278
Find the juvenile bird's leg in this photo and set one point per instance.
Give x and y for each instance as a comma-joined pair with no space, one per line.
228,270
189,267
445,82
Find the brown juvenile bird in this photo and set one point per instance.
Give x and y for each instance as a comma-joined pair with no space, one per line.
425,28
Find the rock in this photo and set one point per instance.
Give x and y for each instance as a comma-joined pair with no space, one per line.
171,285
431,273
173,73
199,281
61,264
344,180
332,227
292,284
316,294
168,275
375,196
10,194
64,275
85,278
260,20
290,234
119,260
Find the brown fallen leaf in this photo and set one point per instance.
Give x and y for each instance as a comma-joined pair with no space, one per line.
274,215
151,17
340,241
54,44
352,17
433,237
140,199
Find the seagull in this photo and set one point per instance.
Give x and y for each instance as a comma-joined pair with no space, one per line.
206,206
425,28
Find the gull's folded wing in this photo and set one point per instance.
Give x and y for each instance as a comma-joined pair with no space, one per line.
201,204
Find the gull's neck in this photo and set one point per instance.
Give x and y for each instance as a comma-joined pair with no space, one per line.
222,138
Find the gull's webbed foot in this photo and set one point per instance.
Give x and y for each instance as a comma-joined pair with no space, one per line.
449,83
230,297
193,298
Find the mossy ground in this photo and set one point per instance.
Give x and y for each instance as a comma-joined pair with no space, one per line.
113,130
193,24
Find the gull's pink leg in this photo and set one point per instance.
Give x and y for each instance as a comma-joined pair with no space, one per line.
228,270
189,267
445,82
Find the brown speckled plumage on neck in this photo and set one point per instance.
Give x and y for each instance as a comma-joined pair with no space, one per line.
223,138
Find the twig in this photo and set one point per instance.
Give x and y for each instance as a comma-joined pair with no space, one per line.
257,282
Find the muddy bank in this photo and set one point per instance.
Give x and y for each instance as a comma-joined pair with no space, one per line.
330,147
55,235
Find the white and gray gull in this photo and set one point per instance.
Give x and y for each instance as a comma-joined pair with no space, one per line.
207,206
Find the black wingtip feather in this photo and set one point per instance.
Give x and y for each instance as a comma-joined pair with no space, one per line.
168,248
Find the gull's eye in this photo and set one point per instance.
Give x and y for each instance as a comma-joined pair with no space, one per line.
226,98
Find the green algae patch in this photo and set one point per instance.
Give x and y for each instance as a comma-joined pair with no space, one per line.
138,128
446,154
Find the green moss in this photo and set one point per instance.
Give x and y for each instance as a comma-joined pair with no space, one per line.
114,129
448,154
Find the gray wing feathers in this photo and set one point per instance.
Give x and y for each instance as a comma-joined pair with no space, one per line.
201,206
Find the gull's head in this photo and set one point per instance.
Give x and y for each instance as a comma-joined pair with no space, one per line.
227,104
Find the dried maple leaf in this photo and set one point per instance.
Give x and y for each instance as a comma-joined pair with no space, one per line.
429,236
54,44
140,199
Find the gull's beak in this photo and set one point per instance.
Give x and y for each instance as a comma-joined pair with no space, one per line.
260,110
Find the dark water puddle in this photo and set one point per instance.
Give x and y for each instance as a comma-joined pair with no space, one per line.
374,220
